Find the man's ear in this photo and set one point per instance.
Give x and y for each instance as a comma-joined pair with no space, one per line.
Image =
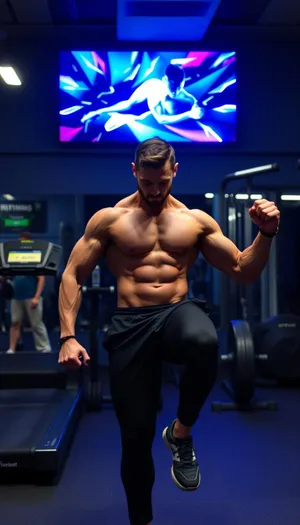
133,169
175,169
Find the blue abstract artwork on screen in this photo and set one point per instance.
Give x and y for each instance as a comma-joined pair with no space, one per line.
130,96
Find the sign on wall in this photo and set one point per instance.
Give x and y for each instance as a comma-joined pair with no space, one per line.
19,216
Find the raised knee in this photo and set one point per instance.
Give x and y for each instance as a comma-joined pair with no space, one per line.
202,348
202,339
210,341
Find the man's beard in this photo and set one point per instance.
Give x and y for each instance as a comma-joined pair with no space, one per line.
154,203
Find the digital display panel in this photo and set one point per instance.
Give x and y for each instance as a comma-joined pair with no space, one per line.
24,257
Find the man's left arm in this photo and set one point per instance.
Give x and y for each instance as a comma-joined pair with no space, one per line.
195,108
247,265
39,290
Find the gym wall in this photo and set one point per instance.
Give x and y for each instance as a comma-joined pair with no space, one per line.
60,209
31,158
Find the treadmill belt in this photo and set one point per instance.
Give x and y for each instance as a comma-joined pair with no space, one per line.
25,416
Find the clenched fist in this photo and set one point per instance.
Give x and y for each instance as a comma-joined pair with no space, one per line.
72,354
265,215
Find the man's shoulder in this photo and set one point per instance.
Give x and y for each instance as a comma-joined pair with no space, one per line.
108,215
100,223
203,218
200,218
125,204
207,222
186,95
197,214
200,215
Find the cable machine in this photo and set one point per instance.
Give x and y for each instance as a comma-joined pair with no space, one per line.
265,343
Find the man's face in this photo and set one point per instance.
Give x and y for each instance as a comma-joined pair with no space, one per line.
154,184
174,87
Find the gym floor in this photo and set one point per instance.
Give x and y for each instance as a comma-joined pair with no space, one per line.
250,466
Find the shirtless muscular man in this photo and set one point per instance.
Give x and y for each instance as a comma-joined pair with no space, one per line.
150,240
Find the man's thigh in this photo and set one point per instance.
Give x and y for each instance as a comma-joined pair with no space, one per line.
135,391
188,326
35,315
17,309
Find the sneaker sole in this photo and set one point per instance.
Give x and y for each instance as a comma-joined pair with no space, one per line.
186,489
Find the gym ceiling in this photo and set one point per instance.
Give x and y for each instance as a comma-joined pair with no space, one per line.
146,19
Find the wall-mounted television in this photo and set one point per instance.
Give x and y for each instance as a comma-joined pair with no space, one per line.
130,96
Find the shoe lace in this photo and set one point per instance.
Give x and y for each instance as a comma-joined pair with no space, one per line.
186,452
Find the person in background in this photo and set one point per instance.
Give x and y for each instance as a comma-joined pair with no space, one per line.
27,298
4,288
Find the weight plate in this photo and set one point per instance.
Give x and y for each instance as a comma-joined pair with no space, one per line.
279,338
240,344
96,395
93,394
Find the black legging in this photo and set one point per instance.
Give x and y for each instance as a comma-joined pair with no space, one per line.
187,337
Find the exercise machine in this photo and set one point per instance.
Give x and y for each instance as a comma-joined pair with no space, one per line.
237,304
93,387
239,228
241,360
40,402
262,349
277,333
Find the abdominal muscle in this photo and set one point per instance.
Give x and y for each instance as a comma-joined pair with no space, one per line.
154,280
131,293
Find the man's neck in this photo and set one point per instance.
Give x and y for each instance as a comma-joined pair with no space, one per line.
153,210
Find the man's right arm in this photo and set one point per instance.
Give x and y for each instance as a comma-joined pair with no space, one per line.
124,105
167,119
139,95
163,118
83,259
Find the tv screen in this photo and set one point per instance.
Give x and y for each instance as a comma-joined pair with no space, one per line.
131,96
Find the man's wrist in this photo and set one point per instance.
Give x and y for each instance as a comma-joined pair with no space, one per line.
67,333
62,340
269,235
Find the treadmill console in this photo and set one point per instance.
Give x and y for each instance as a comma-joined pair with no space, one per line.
34,257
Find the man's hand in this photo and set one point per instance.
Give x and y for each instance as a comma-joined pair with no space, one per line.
196,112
72,354
91,114
265,215
34,303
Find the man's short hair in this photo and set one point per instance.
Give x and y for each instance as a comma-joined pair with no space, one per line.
154,153
175,73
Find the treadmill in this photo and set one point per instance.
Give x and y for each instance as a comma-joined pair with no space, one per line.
40,401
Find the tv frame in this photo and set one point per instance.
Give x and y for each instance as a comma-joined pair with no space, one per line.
124,147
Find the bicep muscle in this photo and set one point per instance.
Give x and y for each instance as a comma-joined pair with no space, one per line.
218,250
90,248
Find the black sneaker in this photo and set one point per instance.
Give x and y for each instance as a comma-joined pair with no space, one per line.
185,469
